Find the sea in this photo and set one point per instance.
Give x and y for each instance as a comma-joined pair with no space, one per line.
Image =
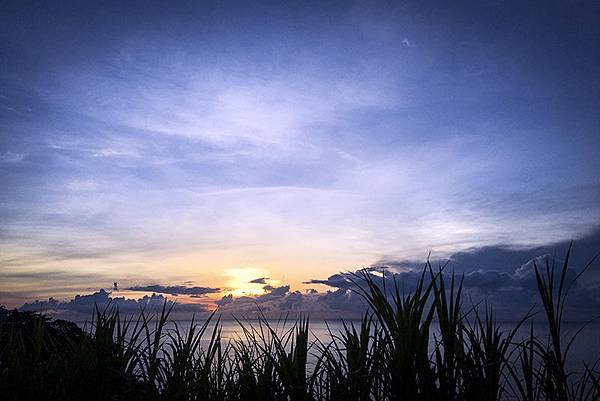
585,348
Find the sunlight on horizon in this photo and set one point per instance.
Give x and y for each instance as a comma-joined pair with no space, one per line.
238,281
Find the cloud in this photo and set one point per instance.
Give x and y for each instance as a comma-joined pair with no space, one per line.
227,299
223,107
82,185
505,258
339,280
82,306
280,301
175,289
57,275
342,302
11,157
501,276
511,294
275,302
19,284
261,280
275,291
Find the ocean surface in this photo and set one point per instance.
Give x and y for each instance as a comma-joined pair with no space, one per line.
586,347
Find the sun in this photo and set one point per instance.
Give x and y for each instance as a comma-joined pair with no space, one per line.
238,281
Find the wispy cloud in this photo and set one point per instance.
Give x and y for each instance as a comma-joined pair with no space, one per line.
11,157
82,185
225,108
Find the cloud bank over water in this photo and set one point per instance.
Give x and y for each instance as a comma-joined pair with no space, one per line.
82,307
498,277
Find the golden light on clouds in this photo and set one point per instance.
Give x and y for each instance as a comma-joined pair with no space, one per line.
238,281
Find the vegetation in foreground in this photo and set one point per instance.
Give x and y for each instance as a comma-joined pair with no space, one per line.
393,354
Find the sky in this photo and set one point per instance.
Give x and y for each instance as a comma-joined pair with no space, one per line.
210,144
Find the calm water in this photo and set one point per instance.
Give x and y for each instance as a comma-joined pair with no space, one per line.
586,347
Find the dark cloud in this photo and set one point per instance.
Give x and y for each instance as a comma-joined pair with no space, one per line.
292,300
261,280
511,294
227,299
499,275
342,301
175,289
507,258
339,280
275,291
344,280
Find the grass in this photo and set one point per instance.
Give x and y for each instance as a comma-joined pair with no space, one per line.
392,354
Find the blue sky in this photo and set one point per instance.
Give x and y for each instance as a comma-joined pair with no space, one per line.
219,142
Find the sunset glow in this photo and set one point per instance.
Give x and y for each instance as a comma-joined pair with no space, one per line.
238,281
